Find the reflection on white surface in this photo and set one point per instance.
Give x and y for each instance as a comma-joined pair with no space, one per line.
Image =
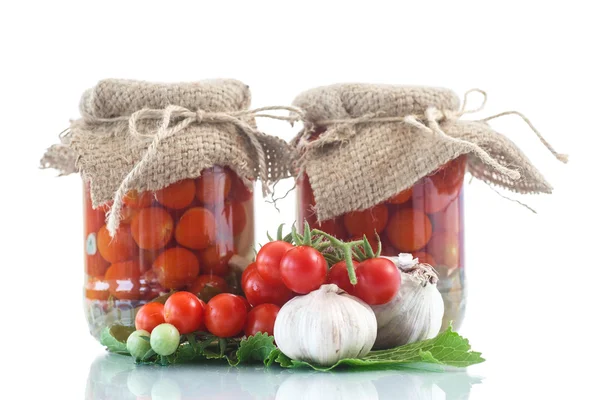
117,377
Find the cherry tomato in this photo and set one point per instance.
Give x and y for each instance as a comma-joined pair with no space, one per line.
213,185
196,228
425,258
433,193
214,260
367,221
445,248
116,249
409,229
150,316
225,315
303,269
185,311
94,219
124,280
401,197
257,291
146,258
268,259
128,214
239,191
96,265
208,286
232,215
152,228
378,281
176,268
177,195
261,319
338,274
138,200
448,219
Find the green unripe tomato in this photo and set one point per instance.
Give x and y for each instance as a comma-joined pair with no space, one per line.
164,339
137,346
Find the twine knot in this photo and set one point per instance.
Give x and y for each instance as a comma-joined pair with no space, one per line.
200,115
429,123
175,119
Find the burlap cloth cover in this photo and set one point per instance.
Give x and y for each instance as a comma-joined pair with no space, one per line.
145,136
381,139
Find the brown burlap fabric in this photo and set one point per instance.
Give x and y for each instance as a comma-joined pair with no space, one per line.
381,139
145,136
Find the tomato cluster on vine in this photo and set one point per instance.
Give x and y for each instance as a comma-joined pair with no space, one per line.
283,270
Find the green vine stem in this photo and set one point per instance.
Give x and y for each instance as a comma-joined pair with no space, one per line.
346,248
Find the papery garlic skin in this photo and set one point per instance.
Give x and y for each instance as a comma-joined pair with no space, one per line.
417,310
325,326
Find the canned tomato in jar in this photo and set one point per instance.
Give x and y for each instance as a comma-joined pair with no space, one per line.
169,172
388,162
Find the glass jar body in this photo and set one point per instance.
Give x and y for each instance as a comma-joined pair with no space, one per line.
426,220
187,236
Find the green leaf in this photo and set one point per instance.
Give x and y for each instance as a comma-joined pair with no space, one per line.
115,338
256,348
150,353
447,349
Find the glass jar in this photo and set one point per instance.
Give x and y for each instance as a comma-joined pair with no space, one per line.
182,237
426,220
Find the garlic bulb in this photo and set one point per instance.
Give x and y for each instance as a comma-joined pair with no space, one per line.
325,326
417,310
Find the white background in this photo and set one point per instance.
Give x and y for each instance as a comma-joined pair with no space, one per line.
533,304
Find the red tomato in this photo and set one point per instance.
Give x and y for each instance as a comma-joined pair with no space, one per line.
261,319
150,316
135,199
152,228
433,193
196,228
448,220
212,281
367,221
425,258
334,227
378,281
185,311
445,248
176,268
409,229
303,269
268,259
338,274
214,260
257,291
124,280
225,315
177,195
239,191
118,249
401,197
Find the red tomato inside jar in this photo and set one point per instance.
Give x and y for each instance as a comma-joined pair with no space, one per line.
425,220
181,237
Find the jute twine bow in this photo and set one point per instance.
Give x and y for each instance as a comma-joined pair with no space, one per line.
185,118
429,123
